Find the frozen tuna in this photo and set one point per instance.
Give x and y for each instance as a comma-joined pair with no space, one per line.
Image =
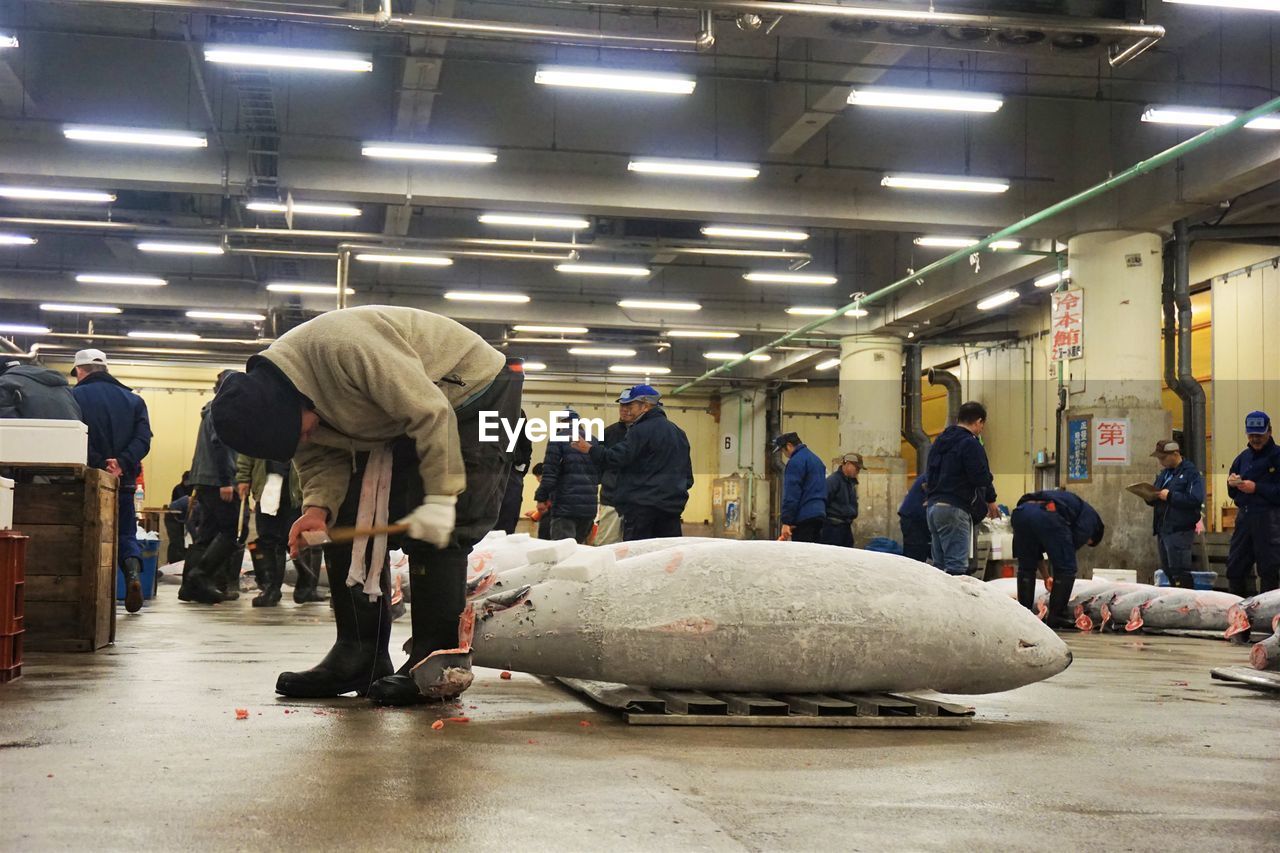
765,617
1120,604
1266,655
1184,609
1258,613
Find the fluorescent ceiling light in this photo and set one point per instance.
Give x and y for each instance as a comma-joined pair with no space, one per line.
165,336
23,329
562,223
50,194
828,364
306,208
16,240
810,311
549,341
699,333
535,365
760,357
311,289
962,243
617,351
617,80
695,168
511,256
926,99
125,280
722,356
1257,5
428,153
658,305
277,57
739,253
1052,279
945,183
136,136
1002,298
1204,117
790,278
165,247
7,40
418,260
551,330
234,316
744,232
638,368
79,309
603,269
484,296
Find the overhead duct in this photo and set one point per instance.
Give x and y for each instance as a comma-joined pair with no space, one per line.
913,410
1194,416
952,384
1170,329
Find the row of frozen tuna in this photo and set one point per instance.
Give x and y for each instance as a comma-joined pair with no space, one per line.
759,616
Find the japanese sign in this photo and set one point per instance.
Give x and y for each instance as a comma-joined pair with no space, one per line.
1068,324
1078,433
1111,441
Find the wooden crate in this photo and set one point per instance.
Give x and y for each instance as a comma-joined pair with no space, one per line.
71,560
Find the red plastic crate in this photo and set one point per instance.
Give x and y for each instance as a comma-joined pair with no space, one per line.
13,560
10,650
10,674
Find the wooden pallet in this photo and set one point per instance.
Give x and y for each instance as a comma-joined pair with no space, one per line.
641,706
1243,676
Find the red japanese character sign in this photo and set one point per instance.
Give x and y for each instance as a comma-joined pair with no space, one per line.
1067,324
1111,439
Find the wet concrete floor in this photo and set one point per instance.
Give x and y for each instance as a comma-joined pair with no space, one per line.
137,747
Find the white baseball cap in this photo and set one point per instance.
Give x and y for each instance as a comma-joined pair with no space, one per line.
90,356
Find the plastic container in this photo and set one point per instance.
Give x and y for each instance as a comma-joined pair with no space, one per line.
35,441
13,560
6,504
1203,580
1117,575
10,650
150,563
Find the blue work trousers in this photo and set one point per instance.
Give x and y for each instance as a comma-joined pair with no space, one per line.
1038,530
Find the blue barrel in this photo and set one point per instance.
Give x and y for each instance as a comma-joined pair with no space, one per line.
150,568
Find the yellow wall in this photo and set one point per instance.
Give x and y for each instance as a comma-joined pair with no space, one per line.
810,411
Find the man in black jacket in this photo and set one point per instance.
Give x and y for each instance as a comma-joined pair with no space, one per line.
654,468
609,522
1177,511
569,485
208,577
509,511
1254,484
842,502
1057,523
959,490
32,391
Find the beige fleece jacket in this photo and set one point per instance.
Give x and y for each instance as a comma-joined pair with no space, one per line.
376,373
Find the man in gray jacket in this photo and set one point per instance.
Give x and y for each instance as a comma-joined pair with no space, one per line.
384,401
32,391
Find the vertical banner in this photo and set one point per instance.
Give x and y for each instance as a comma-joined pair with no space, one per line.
1111,441
1068,324
1079,432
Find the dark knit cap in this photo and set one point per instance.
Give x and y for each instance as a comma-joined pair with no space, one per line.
259,413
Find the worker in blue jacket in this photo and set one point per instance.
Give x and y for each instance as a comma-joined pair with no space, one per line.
804,490
960,490
1056,523
1254,484
913,519
119,439
569,485
1177,511
842,502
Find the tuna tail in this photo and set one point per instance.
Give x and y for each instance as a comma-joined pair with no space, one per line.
1042,609
1237,622
1275,624
1106,617
1135,619
1083,622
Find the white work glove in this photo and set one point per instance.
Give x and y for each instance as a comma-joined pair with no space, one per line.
433,521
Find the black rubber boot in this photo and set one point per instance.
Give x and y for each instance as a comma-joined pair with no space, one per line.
1027,592
264,572
439,597
230,568
1058,619
196,584
132,568
308,586
359,654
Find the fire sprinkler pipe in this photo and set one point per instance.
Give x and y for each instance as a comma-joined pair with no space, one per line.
961,255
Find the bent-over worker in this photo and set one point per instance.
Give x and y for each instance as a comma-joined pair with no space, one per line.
1057,523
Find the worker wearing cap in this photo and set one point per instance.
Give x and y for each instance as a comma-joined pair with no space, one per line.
119,439
842,502
1254,484
1177,506
382,410
653,464
1056,523
804,490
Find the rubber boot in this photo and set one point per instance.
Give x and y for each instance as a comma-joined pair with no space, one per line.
264,572
439,597
132,568
1027,592
197,586
1057,618
230,570
359,654
308,586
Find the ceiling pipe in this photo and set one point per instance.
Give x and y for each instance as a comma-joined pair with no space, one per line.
950,382
914,408
384,21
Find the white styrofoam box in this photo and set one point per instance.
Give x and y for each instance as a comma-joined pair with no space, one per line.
1117,575
6,504
35,441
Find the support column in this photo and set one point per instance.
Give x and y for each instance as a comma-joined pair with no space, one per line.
1119,377
871,424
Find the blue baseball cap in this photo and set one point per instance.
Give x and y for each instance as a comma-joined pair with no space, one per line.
639,392
1256,423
